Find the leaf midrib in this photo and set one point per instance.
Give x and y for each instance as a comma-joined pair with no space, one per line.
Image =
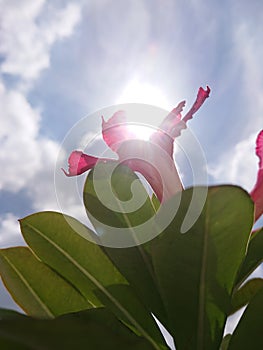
99,286
29,287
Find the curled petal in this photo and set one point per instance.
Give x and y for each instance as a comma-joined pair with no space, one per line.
202,95
257,192
164,136
173,124
116,130
79,162
173,118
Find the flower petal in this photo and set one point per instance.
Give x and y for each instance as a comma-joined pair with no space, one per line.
163,137
202,95
116,130
259,148
79,162
155,164
173,124
257,192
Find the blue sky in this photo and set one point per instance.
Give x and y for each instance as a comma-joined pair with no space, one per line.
61,61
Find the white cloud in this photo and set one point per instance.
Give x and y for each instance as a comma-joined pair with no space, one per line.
23,153
28,29
238,165
18,138
9,231
248,50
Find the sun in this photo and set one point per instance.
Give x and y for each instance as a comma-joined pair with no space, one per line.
143,122
142,132
143,92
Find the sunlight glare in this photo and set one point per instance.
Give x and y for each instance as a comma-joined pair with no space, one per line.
134,100
142,132
140,92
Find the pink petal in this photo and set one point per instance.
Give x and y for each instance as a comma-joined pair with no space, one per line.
116,130
257,192
202,95
173,124
173,118
259,148
79,162
163,137
155,164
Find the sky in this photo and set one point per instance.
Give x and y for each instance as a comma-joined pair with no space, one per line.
61,61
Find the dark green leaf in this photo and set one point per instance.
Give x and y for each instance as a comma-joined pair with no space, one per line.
248,333
225,342
133,262
254,256
196,270
243,295
92,329
35,287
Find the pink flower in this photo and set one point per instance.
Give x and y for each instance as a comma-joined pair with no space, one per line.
257,192
153,158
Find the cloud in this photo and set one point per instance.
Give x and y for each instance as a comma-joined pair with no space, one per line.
18,138
29,159
22,147
238,165
248,51
9,231
28,30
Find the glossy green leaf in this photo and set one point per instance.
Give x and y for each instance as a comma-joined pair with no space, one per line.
58,240
35,287
133,262
254,256
197,270
243,295
92,329
248,333
106,196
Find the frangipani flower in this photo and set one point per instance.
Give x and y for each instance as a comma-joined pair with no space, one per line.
257,192
153,158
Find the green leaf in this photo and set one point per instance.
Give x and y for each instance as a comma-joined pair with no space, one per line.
225,342
155,201
7,344
35,287
248,333
196,270
133,262
254,256
92,329
243,295
58,240
115,199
